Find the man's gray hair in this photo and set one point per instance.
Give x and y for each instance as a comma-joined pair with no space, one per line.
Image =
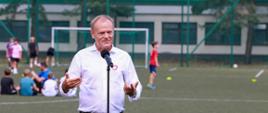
94,20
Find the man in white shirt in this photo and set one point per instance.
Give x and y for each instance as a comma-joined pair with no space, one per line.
88,70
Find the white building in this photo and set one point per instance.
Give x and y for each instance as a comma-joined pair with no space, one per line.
164,23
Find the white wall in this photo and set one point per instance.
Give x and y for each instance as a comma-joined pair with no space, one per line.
158,18
202,49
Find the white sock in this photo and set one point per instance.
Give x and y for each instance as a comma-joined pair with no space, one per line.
35,62
15,71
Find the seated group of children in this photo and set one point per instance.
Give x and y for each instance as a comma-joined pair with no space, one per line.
30,85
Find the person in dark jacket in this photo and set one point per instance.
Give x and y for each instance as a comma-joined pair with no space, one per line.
7,84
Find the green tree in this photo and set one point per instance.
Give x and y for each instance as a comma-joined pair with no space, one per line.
90,8
245,16
37,12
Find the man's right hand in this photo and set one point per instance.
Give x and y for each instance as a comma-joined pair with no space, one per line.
70,83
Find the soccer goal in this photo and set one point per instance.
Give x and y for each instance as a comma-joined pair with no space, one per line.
68,40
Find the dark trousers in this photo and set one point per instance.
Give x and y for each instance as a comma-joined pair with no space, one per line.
92,112
84,112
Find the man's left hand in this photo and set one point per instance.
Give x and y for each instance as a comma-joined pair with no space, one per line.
131,90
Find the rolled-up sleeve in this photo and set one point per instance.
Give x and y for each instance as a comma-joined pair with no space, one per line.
73,72
131,77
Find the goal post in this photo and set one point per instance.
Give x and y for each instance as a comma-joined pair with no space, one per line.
136,48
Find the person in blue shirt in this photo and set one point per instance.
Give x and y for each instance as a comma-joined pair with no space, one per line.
42,76
27,85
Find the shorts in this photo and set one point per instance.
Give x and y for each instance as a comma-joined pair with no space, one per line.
50,54
50,51
152,68
15,59
33,54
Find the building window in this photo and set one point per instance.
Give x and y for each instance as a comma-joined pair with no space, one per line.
17,28
222,36
84,36
260,35
140,37
172,33
61,35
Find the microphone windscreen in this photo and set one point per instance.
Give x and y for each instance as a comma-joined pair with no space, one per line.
104,53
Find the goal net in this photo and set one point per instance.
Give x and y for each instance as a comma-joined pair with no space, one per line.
68,40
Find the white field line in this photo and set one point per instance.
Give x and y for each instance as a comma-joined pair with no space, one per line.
259,73
39,102
150,98
205,100
172,69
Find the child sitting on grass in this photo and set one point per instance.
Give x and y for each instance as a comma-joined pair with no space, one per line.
7,84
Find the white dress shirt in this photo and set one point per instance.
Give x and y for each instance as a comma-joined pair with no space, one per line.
92,68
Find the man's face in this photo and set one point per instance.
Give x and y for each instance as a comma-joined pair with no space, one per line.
103,33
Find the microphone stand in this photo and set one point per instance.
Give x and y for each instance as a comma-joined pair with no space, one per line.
108,88
106,55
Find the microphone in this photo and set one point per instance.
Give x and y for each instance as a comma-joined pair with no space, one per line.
106,55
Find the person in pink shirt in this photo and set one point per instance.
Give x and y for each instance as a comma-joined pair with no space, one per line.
9,51
16,55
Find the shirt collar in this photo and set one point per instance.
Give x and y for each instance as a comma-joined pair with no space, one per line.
93,48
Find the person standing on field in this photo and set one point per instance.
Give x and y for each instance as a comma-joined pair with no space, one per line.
16,55
9,51
33,52
88,70
153,65
50,58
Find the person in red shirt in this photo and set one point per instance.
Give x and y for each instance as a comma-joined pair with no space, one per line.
153,65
